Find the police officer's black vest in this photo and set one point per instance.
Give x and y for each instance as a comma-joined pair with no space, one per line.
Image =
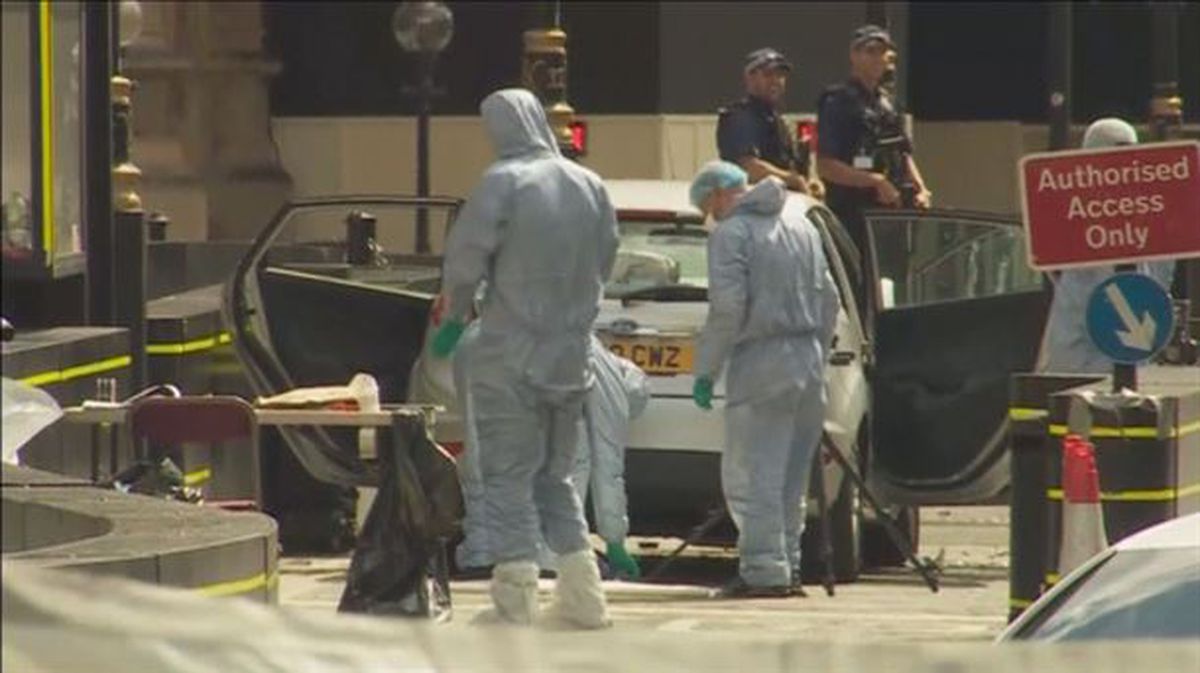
880,136
780,147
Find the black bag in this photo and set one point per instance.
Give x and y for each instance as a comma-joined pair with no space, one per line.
419,508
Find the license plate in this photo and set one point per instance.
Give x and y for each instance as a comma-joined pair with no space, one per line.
655,355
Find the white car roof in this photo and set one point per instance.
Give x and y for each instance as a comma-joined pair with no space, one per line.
666,195
1180,533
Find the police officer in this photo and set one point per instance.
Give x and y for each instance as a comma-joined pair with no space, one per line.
752,134
863,155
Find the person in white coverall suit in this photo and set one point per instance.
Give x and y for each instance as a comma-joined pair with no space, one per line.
1068,349
619,395
772,311
542,232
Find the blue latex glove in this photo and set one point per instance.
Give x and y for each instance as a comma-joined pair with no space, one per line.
446,338
702,391
621,562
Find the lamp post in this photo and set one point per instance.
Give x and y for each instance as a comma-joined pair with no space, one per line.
1166,123
129,229
423,29
1166,106
1058,64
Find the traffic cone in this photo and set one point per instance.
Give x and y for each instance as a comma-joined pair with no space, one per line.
1083,533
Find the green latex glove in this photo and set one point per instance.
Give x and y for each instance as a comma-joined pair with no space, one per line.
446,338
621,562
702,391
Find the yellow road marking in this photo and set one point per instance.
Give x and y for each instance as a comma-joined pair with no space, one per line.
235,587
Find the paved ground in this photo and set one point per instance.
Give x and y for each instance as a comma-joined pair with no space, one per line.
883,607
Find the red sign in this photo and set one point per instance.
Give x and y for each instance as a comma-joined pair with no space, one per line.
1110,206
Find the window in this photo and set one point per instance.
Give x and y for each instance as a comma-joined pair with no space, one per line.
16,183
1149,593
66,124
42,188
927,259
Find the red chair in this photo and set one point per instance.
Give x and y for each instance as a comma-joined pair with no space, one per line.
171,421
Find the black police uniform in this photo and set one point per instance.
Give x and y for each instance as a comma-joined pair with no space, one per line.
862,129
752,127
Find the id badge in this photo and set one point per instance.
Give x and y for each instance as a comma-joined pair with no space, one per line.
863,162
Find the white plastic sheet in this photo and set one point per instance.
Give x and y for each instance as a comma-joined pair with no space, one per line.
27,411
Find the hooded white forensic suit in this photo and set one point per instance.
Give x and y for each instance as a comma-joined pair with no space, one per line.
772,311
619,396
541,230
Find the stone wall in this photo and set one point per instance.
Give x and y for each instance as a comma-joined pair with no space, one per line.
202,133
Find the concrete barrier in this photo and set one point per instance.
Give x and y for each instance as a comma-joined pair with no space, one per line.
54,521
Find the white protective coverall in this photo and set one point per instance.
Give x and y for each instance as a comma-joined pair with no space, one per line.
619,396
542,231
772,311
1068,349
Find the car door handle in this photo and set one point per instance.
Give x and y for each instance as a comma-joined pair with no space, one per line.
841,358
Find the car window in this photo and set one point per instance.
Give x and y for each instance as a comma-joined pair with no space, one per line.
368,243
837,244
1145,593
928,259
659,255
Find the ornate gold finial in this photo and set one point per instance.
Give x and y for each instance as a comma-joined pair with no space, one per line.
125,179
544,72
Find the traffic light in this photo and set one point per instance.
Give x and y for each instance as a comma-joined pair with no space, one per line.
806,134
578,130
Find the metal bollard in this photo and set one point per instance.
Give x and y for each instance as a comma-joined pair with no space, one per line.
360,238
1033,455
129,235
156,227
1144,450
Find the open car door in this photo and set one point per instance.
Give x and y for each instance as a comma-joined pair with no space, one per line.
954,310
323,293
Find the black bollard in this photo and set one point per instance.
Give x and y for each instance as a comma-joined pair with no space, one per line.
360,238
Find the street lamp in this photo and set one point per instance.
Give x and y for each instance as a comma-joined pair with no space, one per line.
129,226
129,22
423,29
125,174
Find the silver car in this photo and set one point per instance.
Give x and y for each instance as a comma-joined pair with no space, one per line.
1146,586
951,310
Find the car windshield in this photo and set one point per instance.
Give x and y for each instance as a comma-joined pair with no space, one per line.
1145,593
658,258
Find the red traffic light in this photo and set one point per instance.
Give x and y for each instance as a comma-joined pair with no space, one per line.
578,130
806,132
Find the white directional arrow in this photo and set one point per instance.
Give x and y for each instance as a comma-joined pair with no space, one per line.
1137,334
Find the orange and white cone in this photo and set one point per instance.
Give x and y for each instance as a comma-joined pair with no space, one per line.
1083,533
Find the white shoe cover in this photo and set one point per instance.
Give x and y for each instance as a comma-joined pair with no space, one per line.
579,597
514,592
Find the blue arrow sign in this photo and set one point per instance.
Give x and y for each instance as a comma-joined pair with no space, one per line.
1129,317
